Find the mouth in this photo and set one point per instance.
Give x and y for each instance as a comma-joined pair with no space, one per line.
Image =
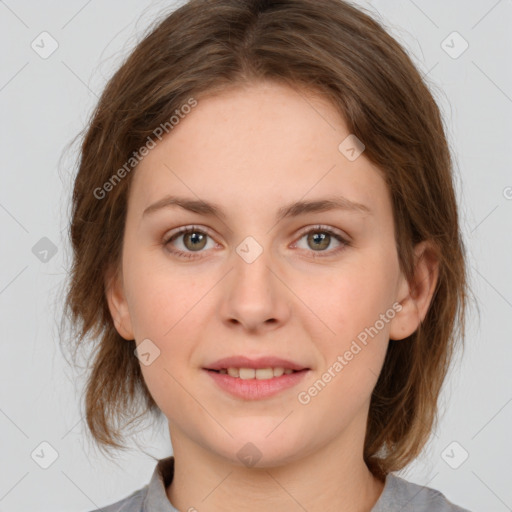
251,384
255,378
256,373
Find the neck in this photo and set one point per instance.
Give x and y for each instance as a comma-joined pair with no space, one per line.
331,478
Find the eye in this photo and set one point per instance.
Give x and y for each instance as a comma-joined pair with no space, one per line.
189,240
319,238
193,240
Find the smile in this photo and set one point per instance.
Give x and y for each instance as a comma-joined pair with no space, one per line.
255,373
256,384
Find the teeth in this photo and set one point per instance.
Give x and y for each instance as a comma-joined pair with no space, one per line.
252,373
233,372
247,373
278,372
264,373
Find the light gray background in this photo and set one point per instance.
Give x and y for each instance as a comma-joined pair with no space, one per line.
45,102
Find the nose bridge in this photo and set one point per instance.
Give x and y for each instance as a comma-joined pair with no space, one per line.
253,269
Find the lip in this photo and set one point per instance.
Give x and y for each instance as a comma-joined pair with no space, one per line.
255,389
259,362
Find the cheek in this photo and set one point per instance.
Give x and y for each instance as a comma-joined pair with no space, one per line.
353,354
160,298
351,300
356,307
166,308
166,311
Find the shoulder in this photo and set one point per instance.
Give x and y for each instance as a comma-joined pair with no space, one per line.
132,503
399,494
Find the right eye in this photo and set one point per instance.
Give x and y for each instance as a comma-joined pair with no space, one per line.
191,239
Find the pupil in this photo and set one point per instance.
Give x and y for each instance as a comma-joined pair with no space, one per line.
320,237
194,238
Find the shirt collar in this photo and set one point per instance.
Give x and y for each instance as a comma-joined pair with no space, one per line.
156,498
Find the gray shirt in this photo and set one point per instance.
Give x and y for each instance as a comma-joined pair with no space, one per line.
398,495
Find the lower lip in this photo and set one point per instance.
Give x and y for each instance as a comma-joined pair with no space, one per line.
255,389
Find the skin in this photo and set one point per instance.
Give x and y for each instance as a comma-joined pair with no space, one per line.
252,150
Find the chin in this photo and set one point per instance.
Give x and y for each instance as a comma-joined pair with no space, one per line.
254,448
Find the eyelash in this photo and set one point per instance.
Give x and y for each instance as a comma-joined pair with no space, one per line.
306,231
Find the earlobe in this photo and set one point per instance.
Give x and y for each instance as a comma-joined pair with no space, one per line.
416,296
118,306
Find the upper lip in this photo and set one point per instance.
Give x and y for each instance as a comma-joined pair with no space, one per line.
259,362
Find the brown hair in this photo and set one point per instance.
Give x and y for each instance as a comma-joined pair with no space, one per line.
324,46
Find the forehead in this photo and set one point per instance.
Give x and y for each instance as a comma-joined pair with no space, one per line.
256,144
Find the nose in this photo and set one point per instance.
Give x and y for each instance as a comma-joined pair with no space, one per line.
254,296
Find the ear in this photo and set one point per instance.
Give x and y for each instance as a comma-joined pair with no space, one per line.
117,304
415,296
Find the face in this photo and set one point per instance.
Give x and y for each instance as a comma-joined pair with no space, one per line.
318,287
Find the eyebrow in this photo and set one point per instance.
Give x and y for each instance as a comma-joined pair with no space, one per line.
291,210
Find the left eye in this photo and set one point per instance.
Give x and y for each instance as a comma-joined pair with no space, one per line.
319,239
